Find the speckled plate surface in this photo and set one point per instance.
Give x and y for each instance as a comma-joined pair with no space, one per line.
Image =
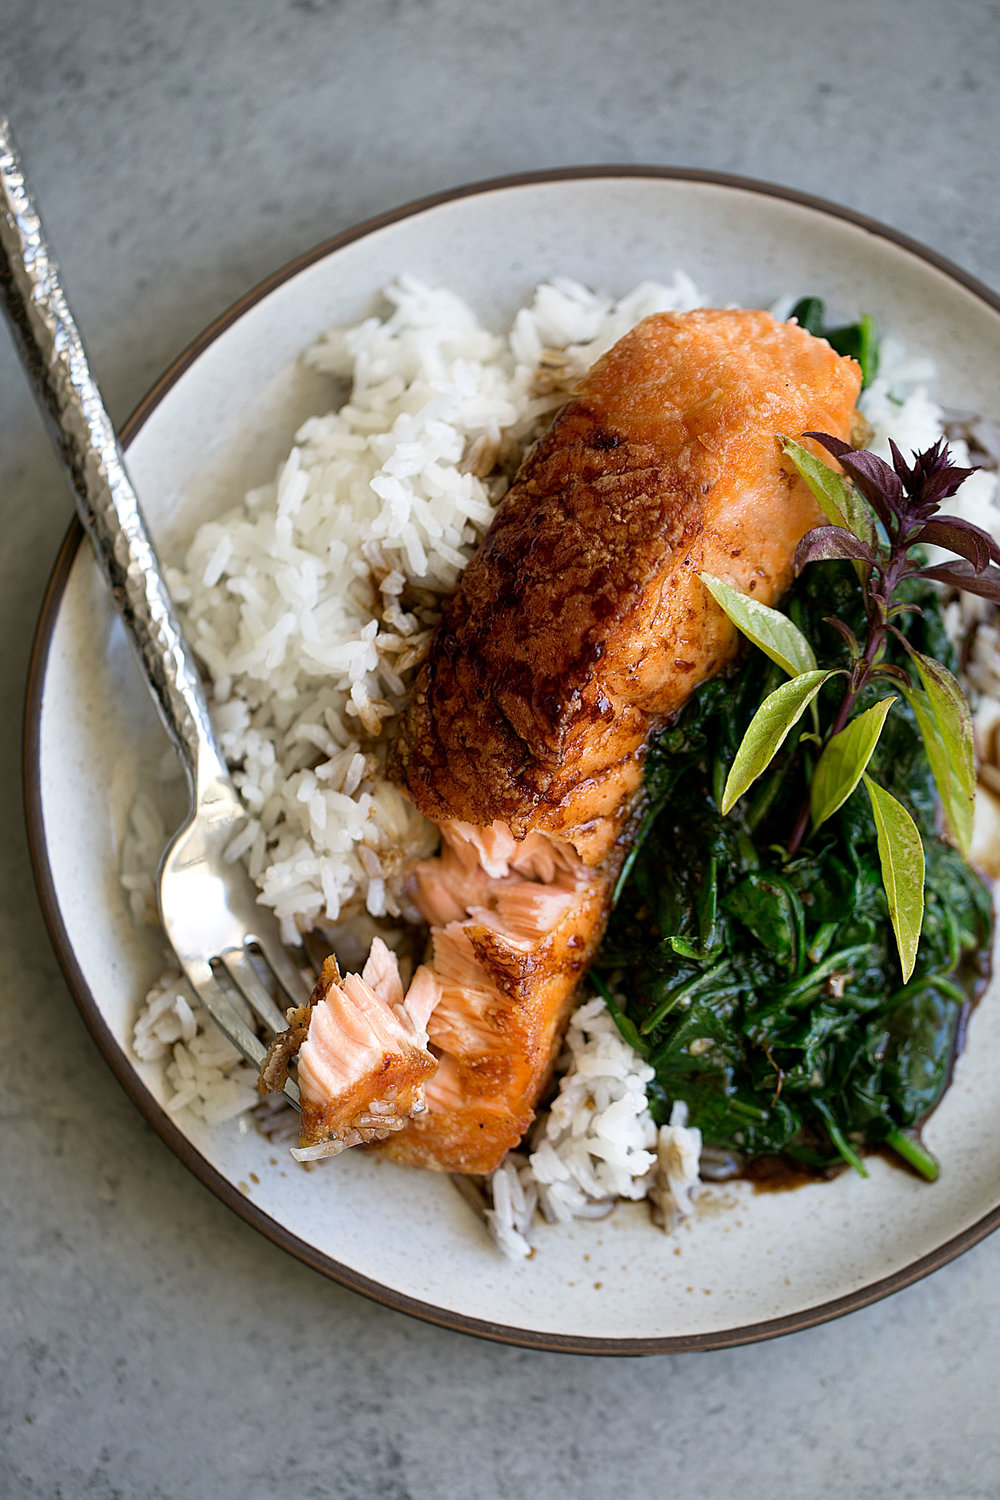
749,1265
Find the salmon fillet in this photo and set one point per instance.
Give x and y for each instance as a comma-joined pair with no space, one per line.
577,629
580,624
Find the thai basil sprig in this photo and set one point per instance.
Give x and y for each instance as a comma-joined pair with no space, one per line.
880,519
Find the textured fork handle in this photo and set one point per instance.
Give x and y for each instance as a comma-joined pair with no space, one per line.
49,344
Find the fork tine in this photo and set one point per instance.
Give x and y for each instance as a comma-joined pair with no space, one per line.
239,966
220,1007
296,986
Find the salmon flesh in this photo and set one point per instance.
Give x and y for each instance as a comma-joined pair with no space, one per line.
577,630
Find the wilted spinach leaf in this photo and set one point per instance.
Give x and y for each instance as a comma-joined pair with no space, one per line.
767,991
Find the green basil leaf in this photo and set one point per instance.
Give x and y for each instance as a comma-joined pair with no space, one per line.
901,855
778,713
767,628
951,713
836,497
956,799
844,761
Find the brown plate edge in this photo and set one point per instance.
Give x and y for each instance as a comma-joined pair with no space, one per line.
107,1043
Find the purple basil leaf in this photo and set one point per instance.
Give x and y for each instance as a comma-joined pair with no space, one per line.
962,576
940,486
933,460
929,462
962,537
992,544
933,477
902,468
983,586
845,630
874,478
834,445
898,608
851,461
826,542
847,458
891,673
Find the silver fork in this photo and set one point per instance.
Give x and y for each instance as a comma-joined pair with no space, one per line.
225,942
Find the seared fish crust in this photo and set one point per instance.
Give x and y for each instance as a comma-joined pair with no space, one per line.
580,624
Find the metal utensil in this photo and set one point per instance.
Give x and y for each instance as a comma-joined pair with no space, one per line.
225,943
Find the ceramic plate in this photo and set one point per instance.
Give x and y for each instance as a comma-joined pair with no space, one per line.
748,1265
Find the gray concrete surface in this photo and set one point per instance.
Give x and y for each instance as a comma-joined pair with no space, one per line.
152,1344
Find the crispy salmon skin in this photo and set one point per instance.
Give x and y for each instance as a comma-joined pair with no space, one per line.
581,622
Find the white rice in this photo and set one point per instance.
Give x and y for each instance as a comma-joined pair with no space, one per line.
311,605
206,1073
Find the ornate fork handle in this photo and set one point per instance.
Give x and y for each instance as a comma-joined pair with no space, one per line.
50,347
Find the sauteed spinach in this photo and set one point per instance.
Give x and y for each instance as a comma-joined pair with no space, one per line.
765,989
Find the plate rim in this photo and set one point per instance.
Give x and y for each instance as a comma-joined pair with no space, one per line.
116,1058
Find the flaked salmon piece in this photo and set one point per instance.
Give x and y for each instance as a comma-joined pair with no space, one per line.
581,624
474,860
495,851
363,1061
422,998
486,849
479,1026
381,973
508,976
524,912
508,951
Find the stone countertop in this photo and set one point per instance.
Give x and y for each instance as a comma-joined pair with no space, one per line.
154,1346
